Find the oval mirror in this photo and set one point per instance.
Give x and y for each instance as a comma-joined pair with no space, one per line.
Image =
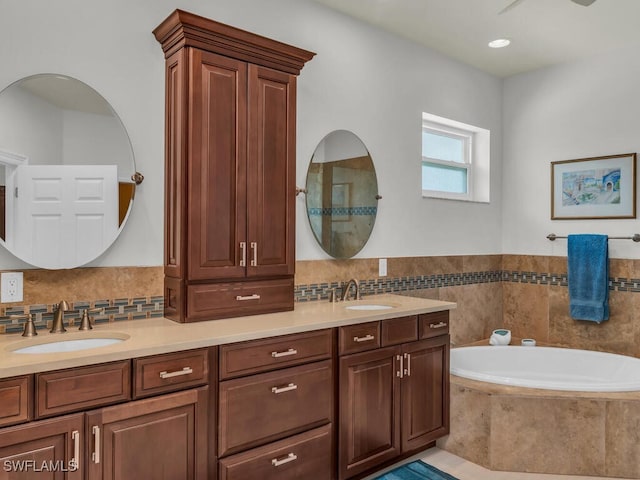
342,194
66,167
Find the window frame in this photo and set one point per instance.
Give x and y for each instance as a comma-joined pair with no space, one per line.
478,158
467,136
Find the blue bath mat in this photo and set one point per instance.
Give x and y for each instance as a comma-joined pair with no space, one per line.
417,470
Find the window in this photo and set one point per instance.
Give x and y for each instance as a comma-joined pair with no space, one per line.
455,160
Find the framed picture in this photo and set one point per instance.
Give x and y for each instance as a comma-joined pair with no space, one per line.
590,188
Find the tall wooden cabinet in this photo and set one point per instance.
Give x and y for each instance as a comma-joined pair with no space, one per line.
229,169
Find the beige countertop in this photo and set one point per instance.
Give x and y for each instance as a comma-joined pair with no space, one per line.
160,335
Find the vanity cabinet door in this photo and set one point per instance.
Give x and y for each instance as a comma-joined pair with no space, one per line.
159,438
271,172
425,392
216,216
369,410
48,449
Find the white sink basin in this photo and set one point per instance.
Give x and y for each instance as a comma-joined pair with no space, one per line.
37,346
369,306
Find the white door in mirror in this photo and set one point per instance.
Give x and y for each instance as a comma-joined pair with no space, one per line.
66,215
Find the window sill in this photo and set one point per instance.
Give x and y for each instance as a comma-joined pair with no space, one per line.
455,198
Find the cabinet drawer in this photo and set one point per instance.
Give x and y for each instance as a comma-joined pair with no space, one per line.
221,300
399,330
259,409
285,351
82,388
358,338
307,455
15,400
433,324
170,372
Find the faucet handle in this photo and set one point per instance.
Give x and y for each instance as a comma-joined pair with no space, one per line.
85,323
29,326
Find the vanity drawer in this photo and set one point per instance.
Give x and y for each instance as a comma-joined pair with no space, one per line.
222,300
399,330
256,356
433,324
82,388
15,400
307,455
170,372
259,409
360,337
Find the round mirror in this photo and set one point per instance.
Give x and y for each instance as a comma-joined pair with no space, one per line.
66,167
342,194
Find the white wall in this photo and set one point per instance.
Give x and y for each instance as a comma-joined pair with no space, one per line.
584,109
362,79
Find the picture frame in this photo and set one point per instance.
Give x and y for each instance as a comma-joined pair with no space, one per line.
594,188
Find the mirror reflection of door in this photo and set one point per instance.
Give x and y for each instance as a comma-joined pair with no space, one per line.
54,121
63,214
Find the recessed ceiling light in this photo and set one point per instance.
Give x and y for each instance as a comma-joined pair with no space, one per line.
499,43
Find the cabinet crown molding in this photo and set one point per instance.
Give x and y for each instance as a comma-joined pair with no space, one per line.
184,29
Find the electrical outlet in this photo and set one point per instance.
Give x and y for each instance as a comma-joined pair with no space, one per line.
11,287
382,267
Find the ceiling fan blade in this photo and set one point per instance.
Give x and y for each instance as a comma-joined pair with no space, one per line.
513,4
584,3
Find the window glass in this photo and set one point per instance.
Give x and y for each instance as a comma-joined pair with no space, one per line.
444,178
443,147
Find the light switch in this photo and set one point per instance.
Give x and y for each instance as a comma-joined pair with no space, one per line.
382,267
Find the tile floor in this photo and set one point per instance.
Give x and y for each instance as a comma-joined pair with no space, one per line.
464,470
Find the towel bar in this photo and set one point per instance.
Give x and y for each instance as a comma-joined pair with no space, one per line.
635,237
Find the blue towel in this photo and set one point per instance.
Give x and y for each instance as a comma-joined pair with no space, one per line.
588,262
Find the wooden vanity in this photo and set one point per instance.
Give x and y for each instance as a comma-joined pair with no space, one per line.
341,397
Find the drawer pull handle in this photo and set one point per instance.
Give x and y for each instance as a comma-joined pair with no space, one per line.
95,455
291,351
177,373
438,325
75,461
255,296
366,338
276,462
288,388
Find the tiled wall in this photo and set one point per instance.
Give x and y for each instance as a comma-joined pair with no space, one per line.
527,294
122,293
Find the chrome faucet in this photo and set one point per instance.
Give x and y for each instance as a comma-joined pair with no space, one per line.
345,290
58,318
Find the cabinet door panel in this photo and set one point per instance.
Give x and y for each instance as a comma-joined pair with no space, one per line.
425,392
271,175
369,410
161,438
42,450
217,171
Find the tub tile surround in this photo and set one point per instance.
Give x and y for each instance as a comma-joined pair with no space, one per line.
506,428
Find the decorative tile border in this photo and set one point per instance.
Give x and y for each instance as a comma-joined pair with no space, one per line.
112,311
334,211
320,291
